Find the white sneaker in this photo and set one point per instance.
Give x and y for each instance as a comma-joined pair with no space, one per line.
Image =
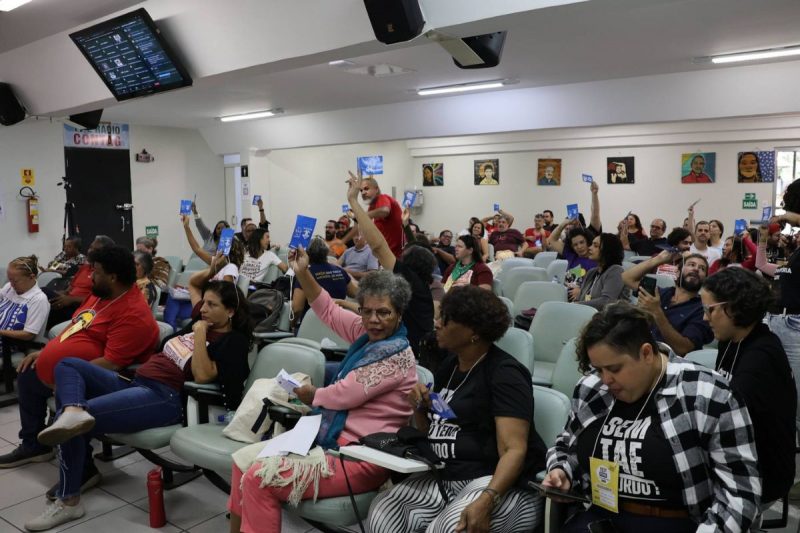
55,514
69,424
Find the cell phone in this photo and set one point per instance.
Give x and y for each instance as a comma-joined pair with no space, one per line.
649,284
671,249
603,526
550,491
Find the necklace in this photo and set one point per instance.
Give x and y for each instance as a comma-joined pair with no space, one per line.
453,373
735,357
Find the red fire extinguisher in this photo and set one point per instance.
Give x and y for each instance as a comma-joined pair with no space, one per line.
32,208
155,497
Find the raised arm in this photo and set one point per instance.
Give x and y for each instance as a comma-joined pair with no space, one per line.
508,216
205,233
377,243
622,232
634,275
263,223
594,219
193,244
199,279
554,240
761,254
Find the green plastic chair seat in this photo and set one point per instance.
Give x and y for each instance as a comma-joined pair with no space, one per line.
147,439
334,511
204,445
543,373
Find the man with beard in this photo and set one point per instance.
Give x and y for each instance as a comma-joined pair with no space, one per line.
677,311
648,245
335,245
385,212
112,328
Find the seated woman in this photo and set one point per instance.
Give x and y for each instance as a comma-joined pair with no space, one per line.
489,448
575,249
95,401
478,233
754,361
602,284
210,238
469,268
737,251
332,278
144,266
367,396
634,228
677,435
23,305
258,256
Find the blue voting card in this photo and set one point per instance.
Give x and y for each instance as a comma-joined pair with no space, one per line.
572,211
740,226
440,407
496,208
225,241
256,198
766,214
409,198
587,178
186,207
345,208
370,164
303,231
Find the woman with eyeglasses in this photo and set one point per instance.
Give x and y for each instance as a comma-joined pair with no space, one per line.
735,302
23,305
368,395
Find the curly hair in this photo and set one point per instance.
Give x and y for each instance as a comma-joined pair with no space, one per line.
747,296
791,197
577,232
116,260
677,235
611,250
620,326
382,283
477,309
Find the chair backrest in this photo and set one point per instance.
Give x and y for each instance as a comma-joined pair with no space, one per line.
509,304
491,252
557,270
542,259
519,344
195,263
46,277
312,328
272,273
56,330
627,265
566,373
292,358
535,293
497,286
550,412
283,254
424,375
520,275
663,281
164,331
554,324
182,279
243,283
705,357
175,262
154,305
510,264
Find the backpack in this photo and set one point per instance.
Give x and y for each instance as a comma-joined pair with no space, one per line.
265,309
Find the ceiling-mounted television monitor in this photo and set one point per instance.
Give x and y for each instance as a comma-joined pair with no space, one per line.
131,56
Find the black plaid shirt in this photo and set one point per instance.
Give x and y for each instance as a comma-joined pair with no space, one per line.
709,430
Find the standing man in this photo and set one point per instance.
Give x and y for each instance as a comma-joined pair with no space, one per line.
385,212
702,233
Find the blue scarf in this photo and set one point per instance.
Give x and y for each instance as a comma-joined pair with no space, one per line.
361,353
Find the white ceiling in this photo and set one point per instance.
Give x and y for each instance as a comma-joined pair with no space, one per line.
591,41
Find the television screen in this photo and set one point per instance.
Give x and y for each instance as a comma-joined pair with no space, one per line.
130,55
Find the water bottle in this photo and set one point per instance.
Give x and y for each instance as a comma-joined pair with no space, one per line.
225,419
155,497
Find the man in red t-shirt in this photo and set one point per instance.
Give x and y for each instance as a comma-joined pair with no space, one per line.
386,213
113,328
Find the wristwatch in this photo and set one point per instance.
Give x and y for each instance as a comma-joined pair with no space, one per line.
494,494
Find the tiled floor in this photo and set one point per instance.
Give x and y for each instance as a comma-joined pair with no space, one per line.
119,503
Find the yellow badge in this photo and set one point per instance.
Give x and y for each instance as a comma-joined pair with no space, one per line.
80,322
605,483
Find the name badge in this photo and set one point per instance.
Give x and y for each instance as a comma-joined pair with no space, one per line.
605,484
80,322
440,407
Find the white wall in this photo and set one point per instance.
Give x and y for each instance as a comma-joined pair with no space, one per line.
184,165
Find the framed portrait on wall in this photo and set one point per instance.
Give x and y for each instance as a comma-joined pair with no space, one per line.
548,172
487,172
432,174
756,167
699,167
620,170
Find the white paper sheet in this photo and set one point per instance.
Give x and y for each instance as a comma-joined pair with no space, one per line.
298,440
287,382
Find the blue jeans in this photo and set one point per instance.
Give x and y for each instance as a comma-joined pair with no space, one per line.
118,406
176,311
787,328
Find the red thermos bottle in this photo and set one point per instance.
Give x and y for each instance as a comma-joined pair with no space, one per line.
155,496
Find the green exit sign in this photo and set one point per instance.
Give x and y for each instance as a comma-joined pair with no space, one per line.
749,204
152,231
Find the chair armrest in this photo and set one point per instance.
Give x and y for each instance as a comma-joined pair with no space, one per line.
194,387
205,394
273,335
288,418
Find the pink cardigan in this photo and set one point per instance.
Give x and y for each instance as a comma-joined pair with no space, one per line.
374,395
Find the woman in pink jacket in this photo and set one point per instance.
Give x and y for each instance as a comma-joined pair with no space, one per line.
368,395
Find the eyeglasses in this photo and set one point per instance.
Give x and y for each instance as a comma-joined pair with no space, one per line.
382,313
707,309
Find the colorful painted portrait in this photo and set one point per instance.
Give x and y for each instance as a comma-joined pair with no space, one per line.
756,167
620,170
548,172
432,174
699,167
487,172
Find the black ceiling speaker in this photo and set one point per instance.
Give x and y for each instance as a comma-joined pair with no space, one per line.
88,120
395,21
11,111
489,48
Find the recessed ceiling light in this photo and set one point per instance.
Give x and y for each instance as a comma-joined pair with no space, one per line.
8,5
462,87
341,63
251,116
756,55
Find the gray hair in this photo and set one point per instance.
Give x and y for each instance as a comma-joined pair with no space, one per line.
146,241
318,251
104,241
382,283
146,260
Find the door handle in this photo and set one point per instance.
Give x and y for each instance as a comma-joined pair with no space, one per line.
123,223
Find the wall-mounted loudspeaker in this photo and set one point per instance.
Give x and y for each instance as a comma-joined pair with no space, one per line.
88,120
11,111
395,21
489,48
